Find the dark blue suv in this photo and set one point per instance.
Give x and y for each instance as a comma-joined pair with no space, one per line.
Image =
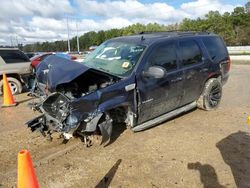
139,80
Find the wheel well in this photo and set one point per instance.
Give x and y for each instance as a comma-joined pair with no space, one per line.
16,76
118,114
211,76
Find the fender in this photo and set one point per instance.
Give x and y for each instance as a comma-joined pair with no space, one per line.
115,102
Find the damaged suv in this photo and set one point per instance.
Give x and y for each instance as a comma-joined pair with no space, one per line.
140,80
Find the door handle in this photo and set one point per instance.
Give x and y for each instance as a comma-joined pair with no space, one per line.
177,80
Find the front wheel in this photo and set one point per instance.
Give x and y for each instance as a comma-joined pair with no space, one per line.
211,95
15,86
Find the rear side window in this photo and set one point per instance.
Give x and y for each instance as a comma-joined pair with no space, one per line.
164,56
13,56
190,52
215,47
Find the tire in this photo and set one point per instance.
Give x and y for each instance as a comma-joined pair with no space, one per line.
15,85
211,95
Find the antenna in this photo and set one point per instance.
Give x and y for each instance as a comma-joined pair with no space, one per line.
142,38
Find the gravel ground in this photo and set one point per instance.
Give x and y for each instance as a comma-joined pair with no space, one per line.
198,149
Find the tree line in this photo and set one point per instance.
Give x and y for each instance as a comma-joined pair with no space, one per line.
234,27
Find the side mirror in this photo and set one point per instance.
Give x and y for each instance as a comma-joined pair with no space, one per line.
155,72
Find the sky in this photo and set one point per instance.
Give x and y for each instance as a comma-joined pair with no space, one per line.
29,21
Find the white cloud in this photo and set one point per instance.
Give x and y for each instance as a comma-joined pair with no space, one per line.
2,42
14,9
130,9
45,20
47,24
199,8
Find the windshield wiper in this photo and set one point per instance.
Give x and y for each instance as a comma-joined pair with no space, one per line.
104,69
108,71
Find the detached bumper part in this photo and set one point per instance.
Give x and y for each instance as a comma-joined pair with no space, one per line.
106,130
38,124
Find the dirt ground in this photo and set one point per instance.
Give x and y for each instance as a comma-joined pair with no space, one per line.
198,149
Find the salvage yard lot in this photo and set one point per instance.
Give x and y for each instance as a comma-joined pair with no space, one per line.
194,150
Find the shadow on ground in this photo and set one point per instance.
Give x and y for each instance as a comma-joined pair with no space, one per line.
25,100
116,132
106,180
208,175
235,150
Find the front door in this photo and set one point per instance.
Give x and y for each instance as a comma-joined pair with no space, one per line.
160,95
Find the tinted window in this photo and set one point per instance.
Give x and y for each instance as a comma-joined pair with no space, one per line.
165,56
13,56
190,52
215,48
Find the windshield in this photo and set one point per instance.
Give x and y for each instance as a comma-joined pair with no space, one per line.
117,58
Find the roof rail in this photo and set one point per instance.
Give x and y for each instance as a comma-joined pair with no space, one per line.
177,32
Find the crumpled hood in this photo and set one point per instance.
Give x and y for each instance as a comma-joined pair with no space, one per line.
55,70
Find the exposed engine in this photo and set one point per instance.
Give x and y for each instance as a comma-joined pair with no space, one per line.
85,84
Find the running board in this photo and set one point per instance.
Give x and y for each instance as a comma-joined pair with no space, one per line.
164,117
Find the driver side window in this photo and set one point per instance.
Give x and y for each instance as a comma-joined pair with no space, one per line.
164,56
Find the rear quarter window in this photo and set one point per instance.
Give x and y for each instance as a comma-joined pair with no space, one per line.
13,56
216,48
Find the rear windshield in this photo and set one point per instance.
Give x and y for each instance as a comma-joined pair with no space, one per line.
216,48
13,56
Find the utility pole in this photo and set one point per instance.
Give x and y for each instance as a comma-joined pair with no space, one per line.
77,38
11,41
68,34
16,42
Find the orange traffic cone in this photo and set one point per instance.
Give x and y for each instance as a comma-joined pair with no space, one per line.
26,177
8,99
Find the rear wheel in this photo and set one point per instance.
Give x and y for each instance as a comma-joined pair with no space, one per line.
211,95
15,86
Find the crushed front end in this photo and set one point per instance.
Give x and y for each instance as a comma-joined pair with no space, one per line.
68,100
56,116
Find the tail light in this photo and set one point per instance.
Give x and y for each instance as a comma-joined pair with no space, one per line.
228,64
73,57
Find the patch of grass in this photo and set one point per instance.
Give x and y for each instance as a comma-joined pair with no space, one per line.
240,53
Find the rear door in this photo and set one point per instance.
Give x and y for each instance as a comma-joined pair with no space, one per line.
160,95
195,67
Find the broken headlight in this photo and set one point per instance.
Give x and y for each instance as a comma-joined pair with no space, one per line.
57,106
72,121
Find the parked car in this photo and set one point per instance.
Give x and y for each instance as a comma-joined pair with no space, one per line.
142,81
39,58
17,66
